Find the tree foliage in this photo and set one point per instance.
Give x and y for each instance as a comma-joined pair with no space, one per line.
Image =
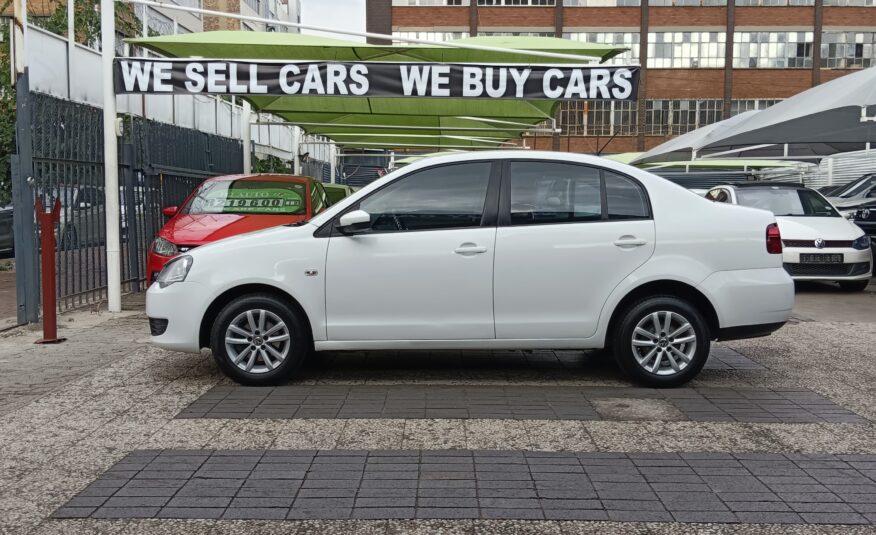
271,164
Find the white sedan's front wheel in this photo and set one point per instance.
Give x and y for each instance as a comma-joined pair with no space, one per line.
661,341
259,340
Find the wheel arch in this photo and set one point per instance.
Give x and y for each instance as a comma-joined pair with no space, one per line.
666,287
239,291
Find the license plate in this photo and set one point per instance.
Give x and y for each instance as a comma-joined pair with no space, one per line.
821,258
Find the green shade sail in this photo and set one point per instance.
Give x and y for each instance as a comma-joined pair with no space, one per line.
430,119
298,47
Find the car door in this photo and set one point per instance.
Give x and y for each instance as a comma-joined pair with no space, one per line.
423,269
568,234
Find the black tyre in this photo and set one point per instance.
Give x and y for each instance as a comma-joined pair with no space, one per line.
259,340
854,286
661,341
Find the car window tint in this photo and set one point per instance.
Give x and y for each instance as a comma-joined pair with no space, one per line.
554,193
317,202
449,196
625,198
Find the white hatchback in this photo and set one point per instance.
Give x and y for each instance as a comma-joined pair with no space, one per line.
496,250
819,244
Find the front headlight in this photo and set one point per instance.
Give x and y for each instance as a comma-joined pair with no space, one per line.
164,248
862,243
175,271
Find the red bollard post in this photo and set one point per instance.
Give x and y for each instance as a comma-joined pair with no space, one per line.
47,222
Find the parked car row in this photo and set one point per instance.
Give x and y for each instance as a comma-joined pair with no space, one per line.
237,204
819,243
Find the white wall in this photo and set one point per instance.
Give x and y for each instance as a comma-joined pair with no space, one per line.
47,61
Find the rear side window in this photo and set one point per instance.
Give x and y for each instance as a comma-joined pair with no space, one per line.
547,192
625,198
317,198
554,193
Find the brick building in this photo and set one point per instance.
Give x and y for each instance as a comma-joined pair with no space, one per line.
702,60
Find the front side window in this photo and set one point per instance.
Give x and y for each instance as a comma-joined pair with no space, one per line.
248,197
554,193
787,202
317,198
448,196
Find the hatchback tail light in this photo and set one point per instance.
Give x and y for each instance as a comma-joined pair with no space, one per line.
773,239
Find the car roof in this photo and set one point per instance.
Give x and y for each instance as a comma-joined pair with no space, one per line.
297,179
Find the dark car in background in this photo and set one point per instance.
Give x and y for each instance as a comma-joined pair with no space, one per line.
865,217
6,244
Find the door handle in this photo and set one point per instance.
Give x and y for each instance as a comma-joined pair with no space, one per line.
629,241
468,249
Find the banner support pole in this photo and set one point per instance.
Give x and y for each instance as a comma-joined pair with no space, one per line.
246,135
110,156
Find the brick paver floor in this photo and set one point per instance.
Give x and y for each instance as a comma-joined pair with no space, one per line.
522,485
517,402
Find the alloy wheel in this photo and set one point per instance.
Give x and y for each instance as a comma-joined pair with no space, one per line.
257,341
664,342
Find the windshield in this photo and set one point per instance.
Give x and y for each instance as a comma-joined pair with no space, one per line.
786,201
854,188
248,197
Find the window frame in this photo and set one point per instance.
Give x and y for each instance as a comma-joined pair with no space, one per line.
488,218
504,215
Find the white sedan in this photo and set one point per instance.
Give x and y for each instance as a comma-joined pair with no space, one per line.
820,244
494,250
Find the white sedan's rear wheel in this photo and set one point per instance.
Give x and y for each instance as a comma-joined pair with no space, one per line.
661,341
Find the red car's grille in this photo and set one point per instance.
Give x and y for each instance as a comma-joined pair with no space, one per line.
811,243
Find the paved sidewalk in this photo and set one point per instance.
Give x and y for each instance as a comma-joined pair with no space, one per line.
71,412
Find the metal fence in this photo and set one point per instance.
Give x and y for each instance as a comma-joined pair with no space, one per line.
160,165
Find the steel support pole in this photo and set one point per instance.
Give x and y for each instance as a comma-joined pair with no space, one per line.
131,236
23,221
110,157
71,45
296,145
246,135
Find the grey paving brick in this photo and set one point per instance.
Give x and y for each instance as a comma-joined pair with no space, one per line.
509,402
513,485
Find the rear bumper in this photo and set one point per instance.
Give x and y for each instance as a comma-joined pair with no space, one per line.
750,297
749,331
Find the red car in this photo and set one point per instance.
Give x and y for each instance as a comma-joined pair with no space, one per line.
226,206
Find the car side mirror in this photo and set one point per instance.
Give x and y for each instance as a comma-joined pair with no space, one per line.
355,221
170,211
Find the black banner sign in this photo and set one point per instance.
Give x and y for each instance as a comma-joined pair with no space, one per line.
220,77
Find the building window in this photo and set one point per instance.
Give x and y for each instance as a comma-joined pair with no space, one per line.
687,3
848,50
674,117
850,3
601,3
515,34
628,40
772,3
516,2
598,118
772,50
686,50
744,105
156,22
255,5
431,36
405,3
